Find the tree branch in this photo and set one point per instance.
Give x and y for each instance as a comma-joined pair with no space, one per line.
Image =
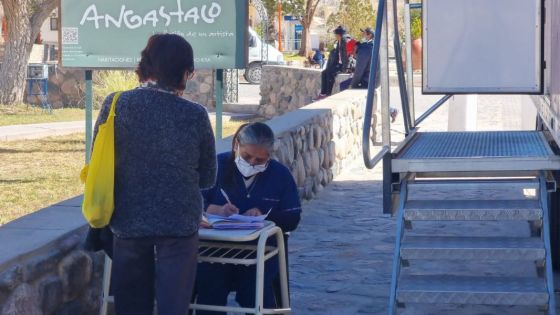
315,6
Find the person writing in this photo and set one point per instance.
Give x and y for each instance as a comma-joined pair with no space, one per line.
254,184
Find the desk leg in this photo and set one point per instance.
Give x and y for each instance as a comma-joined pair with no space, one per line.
260,274
283,270
106,285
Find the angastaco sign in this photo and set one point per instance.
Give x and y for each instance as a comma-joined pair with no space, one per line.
111,33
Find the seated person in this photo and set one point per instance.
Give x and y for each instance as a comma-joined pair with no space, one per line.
254,184
337,62
318,58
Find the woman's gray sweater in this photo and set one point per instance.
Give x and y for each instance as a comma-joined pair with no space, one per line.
164,155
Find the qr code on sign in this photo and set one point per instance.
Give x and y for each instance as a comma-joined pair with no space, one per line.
70,35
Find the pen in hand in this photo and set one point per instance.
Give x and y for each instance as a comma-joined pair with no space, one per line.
229,208
225,196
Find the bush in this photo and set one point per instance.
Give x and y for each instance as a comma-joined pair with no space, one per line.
109,81
415,24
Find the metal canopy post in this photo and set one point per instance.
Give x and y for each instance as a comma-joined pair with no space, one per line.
89,112
219,94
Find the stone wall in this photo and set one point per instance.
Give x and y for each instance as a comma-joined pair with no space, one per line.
284,89
317,141
43,269
67,88
201,89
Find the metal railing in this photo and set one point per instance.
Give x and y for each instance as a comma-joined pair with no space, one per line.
370,100
406,84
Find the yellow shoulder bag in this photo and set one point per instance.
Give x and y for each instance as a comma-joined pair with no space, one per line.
99,174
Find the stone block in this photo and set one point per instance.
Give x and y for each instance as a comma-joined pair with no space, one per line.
300,178
332,153
310,138
75,270
317,136
41,265
23,300
308,188
315,162
11,278
307,162
50,294
205,88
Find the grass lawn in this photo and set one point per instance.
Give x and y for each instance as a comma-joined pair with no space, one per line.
293,57
37,173
24,114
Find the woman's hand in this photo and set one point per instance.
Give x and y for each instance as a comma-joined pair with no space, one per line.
225,210
253,212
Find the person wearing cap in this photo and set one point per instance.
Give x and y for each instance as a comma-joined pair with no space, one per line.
360,80
363,61
337,62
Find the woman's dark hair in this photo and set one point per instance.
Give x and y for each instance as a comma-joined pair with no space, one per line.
166,59
256,133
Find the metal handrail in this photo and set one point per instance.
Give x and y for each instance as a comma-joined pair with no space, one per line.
408,122
433,109
366,141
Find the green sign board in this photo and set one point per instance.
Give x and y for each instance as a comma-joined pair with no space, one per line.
112,33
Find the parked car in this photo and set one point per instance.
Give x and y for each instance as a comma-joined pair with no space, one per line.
253,72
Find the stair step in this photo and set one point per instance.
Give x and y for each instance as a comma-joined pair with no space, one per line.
520,183
472,248
472,290
472,210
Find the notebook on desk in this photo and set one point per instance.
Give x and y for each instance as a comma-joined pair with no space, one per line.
234,222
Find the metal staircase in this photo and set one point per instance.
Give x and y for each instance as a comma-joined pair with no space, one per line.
486,194
472,208
482,286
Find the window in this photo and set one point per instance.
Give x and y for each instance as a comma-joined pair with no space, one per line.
54,24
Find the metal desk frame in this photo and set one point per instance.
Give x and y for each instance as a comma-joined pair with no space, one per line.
232,250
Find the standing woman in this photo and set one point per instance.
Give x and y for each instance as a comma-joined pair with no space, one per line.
255,184
164,155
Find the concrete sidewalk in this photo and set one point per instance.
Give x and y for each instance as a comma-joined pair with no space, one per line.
35,131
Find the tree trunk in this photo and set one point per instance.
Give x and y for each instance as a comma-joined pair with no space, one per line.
24,19
305,41
310,8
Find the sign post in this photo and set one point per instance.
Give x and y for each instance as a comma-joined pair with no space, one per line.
219,90
89,113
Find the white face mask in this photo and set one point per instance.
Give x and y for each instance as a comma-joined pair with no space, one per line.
248,170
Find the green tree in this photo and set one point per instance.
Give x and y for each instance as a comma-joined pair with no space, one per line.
303,8
354,15
24,19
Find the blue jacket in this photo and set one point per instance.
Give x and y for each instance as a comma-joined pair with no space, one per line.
360,80
273,189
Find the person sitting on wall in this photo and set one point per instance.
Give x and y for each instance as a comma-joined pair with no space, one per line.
318,58
337,62
255,184
360,79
